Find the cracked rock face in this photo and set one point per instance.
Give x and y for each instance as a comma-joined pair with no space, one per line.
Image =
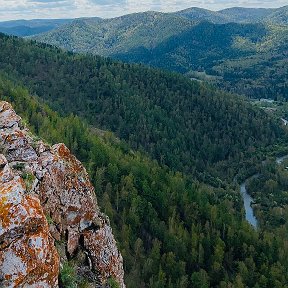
61,184
27,253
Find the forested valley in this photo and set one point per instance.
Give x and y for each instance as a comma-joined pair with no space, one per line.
173,231
184,124
162,152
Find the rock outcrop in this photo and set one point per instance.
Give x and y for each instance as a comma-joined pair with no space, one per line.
28,257
58,180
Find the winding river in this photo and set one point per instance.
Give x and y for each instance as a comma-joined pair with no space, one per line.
249,213
248,200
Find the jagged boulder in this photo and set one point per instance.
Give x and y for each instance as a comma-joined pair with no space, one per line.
28,257
67,198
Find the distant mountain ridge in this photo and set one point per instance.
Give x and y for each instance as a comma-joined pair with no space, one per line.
234,14
146,30
242,14
201,14
31,27
237,15
34,23
24,28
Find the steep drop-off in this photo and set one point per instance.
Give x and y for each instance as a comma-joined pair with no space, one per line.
37,181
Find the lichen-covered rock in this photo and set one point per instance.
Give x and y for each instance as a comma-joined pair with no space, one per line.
28,257
104,256
66,193
67,197
16,143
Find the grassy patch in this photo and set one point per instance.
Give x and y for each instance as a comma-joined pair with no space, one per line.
113,283
28,179
68,278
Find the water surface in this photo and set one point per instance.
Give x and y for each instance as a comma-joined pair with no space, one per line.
249,213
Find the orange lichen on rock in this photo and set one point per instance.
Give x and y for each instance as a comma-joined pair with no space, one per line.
104,256
27,253
61,188
9,118
69,198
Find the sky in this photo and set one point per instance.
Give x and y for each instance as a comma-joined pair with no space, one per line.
35,9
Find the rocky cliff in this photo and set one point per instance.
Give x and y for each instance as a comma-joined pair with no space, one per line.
49,214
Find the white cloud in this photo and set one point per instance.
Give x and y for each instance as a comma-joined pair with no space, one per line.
28,9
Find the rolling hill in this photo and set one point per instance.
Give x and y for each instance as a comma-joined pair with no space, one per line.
109,36
236,15
246,58
200,14
31,27
246,15
203,45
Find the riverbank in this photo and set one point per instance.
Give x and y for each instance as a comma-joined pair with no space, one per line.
248,200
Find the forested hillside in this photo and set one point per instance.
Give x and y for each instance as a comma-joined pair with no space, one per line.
240,49
201,14
248,59
203,45
172,231
279,16
109,36
180,123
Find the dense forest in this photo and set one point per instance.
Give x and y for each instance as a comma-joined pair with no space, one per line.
249,59
200,47
172,231
184,124
240,50
162,152
269,191
109,36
